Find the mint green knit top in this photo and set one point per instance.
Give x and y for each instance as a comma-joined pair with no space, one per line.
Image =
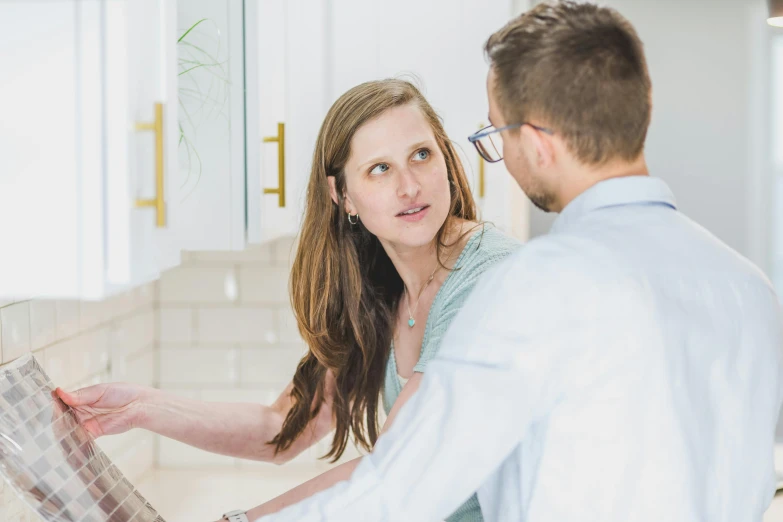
484,248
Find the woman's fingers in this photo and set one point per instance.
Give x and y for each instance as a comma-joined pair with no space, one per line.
84,397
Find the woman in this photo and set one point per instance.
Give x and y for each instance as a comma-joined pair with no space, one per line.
389,250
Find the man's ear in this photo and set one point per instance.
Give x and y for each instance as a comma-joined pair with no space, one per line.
545,149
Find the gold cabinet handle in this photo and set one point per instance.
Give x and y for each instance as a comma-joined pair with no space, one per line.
157,202
481,170
280,140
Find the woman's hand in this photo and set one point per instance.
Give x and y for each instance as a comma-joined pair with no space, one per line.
234,429
108,409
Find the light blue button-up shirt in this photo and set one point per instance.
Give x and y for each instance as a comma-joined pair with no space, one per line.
626,367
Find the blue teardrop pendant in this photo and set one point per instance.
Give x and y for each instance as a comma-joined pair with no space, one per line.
411,322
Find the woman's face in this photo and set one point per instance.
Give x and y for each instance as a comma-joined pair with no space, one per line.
396,178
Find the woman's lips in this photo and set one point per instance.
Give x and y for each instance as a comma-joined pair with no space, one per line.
415,216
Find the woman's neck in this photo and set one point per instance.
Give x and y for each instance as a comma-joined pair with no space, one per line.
416,265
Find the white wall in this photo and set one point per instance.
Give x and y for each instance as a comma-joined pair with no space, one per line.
706,134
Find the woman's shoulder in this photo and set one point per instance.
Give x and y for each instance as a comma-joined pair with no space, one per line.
487,245
486,248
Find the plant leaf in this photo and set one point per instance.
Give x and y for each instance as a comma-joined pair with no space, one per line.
191,28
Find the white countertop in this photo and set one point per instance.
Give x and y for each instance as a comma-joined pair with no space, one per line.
205,494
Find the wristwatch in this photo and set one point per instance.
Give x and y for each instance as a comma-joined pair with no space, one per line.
236,516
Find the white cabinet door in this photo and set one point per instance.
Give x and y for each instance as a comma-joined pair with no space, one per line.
286,67
141,139
72,164
208,202
40,158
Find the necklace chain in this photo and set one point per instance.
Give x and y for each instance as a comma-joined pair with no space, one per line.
411,320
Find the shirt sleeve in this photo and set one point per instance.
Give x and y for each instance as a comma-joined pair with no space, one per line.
497,372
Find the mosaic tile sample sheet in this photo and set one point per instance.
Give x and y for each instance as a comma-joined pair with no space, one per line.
52,462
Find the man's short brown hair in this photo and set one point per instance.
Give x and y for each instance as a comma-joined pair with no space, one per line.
579,69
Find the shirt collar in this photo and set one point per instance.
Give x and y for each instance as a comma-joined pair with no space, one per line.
627,190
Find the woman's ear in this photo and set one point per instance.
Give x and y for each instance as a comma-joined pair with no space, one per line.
347,205
333,189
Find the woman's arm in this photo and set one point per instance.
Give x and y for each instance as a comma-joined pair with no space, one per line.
234,429
336,474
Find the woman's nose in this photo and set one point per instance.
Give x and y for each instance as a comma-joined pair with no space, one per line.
409,186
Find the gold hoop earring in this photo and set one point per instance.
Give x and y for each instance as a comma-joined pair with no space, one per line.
353,222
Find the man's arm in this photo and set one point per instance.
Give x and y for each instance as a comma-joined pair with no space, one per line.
337,473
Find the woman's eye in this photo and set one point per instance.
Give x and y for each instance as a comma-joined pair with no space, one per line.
422,155
379,169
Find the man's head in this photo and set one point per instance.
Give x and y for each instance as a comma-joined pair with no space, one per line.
579,71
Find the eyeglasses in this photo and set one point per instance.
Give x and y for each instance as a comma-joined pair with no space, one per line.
489,142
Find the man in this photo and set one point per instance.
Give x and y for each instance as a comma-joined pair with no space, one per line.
625,367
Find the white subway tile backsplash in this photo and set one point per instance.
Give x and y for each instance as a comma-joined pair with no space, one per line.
147,295
120,305
176,325
121,342
235,325
254,254
145,330
264,284
16,330
285,250
67,313
199,284
91,314
138,458
98,378
141,369
263,365
199,366
226,351
90,352
57,363
187,393
43,323
265,396
289,331
134,334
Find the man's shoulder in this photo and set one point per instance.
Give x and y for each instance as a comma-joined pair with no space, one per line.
554,266
554,256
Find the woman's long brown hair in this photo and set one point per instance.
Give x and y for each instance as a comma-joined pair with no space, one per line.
344,287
